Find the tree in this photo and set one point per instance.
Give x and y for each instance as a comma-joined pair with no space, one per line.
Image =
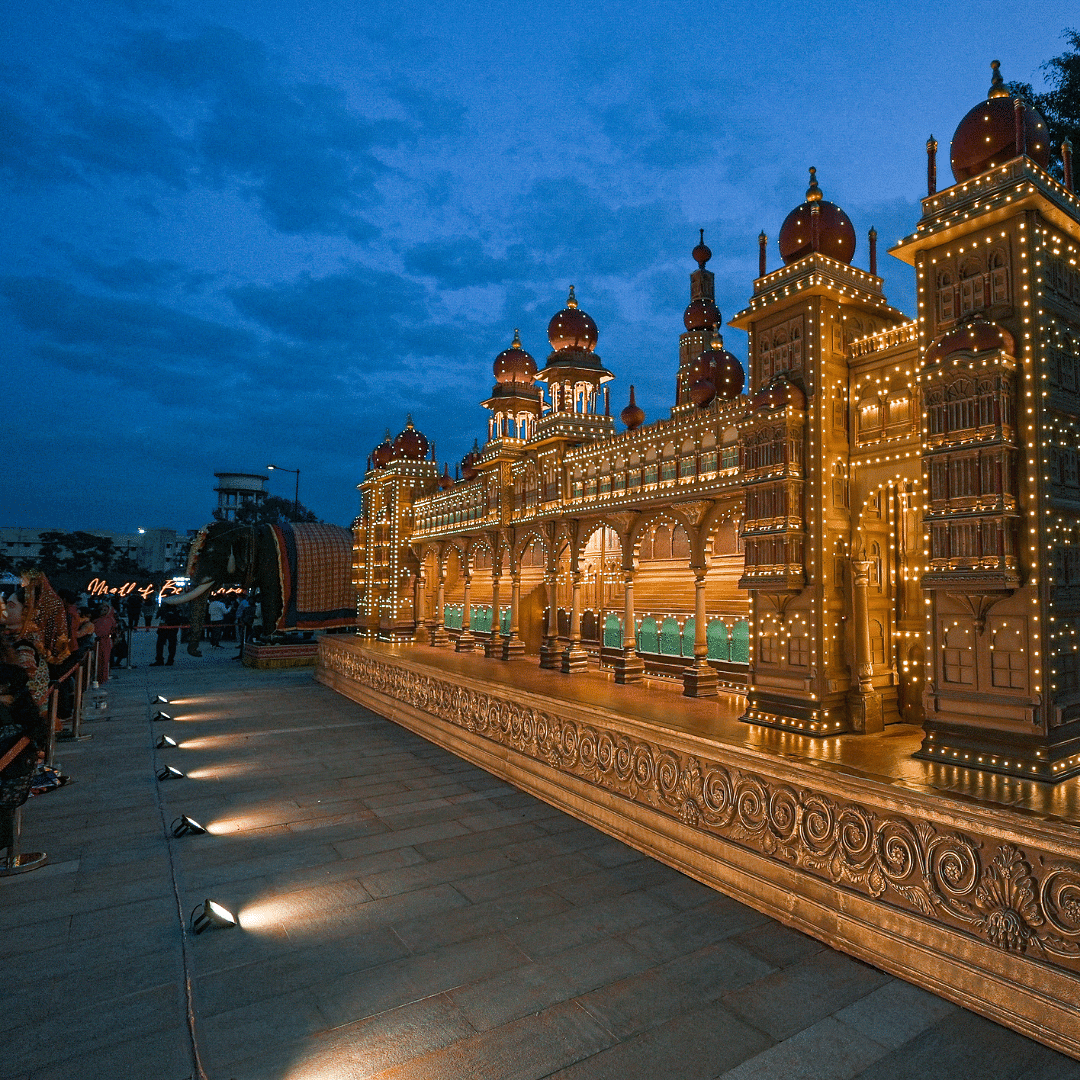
1060,105
273,510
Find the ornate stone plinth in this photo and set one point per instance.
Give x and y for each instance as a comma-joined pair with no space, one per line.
961,894
628,667
440,639
551,655
493,648
573,660
700,681
513,648
465,642
265,657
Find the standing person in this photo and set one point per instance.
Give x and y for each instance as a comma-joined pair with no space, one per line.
149,606
245,617
168,630
217,622
104,626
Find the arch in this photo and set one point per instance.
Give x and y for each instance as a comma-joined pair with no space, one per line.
670,637
645,524
716,636
648,635
740,642
613,635
688,632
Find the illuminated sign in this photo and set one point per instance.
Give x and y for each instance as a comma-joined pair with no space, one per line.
172,587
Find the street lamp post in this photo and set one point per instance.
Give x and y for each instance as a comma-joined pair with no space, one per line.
296,506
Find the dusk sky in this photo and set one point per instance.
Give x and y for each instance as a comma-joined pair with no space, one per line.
237,233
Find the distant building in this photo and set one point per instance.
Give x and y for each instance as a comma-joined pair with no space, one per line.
236,489
154,550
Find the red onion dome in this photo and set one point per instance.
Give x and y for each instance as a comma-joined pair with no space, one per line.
835,233
446,481
986,137
728,375
701,314
702,253
701,367
571,328
633,416
777,394
384,453
514,365
978,335
411,443
702,391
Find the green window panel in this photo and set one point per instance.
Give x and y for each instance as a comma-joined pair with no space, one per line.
504,621
740,642
670,638
612,632
648,637
716,634
688,632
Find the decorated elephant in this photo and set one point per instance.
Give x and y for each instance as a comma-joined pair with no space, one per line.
303,574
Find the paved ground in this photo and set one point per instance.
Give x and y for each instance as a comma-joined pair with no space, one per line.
404,915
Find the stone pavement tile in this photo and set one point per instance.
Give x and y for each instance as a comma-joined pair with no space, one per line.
614,853
693,1046
416,819
199,879
458,870
895,1013
826,1051
537,874
510,995
963,1046
601,962
545,845
588,922
292,968
162,1055
526,1049
344,869
714,969
779,944
102,976
127,925
365,1048
388,986
803,993
366,845
507,839
591,888
230,1035
684,932
496,818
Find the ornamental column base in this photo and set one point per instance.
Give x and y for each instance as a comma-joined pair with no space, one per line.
440,639
700,681
493,648
513,648
550,654
574,659
865,713
465,642
628,667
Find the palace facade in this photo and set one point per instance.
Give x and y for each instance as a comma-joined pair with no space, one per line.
875,520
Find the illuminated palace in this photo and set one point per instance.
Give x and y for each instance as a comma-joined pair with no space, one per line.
879,523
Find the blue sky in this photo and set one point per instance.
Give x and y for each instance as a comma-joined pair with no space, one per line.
238,233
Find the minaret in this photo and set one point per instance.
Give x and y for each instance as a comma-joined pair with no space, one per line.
701,319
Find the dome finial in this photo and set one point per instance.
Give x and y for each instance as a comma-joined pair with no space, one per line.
813,192
516,343
408,420
633,416
571,301
702,253
997,83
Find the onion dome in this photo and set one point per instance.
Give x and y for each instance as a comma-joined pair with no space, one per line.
571,328
702,253
633,416
728,376
979,335
986,137
701,314
514,365
702,391
777,394
411,443
832,233
384,453
446,481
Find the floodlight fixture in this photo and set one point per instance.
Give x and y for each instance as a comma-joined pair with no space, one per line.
211,914
160,700
184,825
170,773
159,715
166,741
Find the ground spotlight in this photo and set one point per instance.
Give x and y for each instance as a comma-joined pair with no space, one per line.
161,716
166,740
184,825
169,773
159,700
211,914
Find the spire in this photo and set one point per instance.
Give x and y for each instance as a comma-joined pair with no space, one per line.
516,343
701,254
571,301
762,240
997,83
813,192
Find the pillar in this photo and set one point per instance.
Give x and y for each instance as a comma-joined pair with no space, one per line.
629,667
550,653
512,645
440,639
466,642
699,680
420,628
493,645
574,657
864,704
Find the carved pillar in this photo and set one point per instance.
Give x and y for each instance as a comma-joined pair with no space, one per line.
864,705
629,667
574,657
512,645
420,607
493,645
700,679
466,642
550,653
440,639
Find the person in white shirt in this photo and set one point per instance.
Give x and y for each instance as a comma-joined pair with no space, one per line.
217,620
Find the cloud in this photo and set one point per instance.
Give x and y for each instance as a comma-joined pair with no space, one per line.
461,262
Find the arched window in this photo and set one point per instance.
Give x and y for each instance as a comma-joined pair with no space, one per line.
716,635
946,297
688,633
740,642
648,636
670,637
612,631
662,542
680,543
999,276
972,297
877,643
840,485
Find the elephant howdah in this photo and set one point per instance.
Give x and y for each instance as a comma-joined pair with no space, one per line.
302,573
